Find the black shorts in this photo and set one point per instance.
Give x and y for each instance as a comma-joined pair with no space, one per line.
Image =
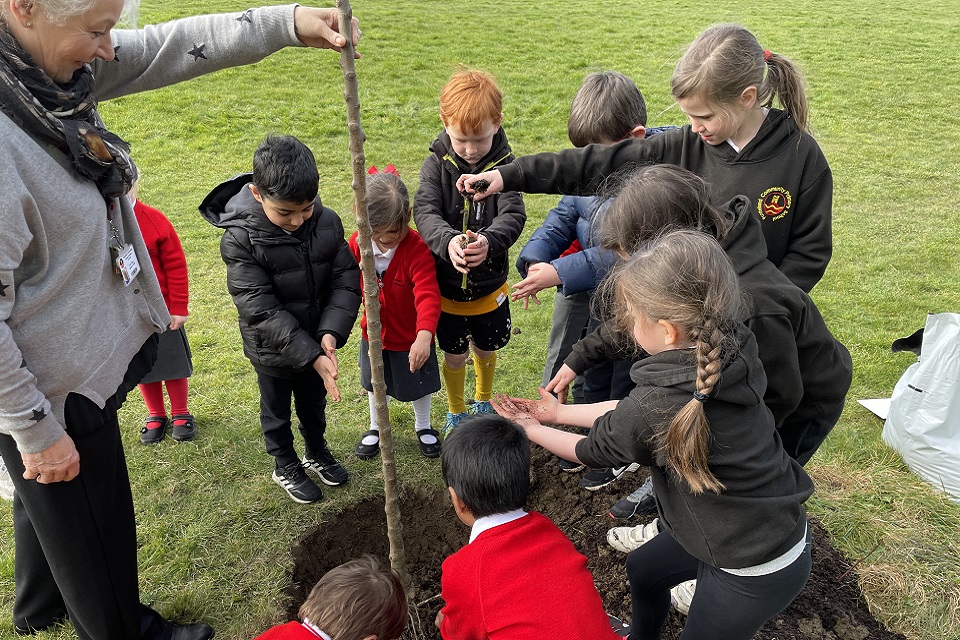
489,331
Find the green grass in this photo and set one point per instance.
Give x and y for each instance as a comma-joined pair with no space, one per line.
215,531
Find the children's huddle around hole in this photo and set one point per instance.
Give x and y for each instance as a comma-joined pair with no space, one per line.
722,377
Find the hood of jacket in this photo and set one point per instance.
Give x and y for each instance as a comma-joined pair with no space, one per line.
744,242
231,204
742,380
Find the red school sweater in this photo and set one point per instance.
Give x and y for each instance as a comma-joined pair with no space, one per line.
289,631
166,254
409,294
520,581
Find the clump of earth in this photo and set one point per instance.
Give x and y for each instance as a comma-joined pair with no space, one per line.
831,607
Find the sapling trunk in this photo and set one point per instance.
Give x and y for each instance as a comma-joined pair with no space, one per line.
371,301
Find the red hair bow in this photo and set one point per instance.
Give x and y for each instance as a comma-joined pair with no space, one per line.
390,169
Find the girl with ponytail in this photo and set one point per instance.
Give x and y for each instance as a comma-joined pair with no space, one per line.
729,498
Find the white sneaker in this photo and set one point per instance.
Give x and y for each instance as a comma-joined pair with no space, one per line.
682,595
626,539
6,482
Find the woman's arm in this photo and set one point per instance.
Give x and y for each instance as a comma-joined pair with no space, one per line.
164,54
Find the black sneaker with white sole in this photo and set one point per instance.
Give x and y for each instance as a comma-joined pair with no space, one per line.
598,478
295,482
639,503
325,466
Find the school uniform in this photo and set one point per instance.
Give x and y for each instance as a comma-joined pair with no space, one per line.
808,370
758,516
481,308
782,172
174,360
409,303
499,586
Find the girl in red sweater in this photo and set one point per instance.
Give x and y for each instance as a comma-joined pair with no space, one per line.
409,311
174,364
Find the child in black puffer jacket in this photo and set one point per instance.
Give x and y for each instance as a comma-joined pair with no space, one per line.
296,287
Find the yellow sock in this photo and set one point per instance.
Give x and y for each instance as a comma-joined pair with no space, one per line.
453,381
484,370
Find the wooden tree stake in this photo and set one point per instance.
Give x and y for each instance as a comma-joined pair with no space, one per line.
371,300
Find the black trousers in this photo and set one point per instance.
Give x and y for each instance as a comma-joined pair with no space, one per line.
310,402
725,606
76,542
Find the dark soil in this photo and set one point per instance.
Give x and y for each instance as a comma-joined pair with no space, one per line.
831,606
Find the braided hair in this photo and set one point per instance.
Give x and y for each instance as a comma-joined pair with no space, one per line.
685,277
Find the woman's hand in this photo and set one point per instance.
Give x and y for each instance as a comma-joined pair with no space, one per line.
420,349
494,184
320,28
59,462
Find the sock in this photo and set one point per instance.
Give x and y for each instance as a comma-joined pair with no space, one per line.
421,417
454,380
177,392
371,439
484,370
152,393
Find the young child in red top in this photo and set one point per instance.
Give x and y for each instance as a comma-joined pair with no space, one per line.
174,364
409,311
519,577
357,600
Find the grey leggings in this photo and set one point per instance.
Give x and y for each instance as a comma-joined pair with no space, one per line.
725,605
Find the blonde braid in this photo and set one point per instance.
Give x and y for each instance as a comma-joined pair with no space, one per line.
687,440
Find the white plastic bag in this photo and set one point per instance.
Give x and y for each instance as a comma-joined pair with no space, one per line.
924,420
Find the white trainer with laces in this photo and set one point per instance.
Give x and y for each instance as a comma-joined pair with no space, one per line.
682,595
626,539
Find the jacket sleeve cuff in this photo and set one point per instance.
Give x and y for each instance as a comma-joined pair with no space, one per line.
38,437
512,177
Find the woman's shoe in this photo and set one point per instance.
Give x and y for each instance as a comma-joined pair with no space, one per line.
153,434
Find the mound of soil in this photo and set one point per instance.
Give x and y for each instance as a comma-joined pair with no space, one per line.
831,607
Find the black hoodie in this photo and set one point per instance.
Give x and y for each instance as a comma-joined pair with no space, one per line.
290,289
439,212
782,172
759,514
808,370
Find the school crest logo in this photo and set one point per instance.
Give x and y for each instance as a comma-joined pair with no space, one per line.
774,203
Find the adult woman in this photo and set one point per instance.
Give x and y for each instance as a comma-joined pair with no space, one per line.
73,336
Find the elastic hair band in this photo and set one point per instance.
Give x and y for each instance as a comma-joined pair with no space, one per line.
702,397
766,54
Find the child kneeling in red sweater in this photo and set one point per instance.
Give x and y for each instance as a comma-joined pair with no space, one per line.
519,577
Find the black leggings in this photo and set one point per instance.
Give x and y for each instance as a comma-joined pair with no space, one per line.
724,606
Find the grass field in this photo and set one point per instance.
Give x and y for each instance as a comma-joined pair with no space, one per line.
215,531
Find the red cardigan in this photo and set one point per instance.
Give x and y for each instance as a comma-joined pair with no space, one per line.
409,294
290,631
166,254
521,580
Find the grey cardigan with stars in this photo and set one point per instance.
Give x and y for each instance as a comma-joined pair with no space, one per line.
67,323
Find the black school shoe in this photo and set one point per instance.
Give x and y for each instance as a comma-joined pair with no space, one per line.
186,429
368,451
429,449
297,484
155,434
325,466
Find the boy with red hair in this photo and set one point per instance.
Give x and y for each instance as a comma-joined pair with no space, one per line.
469,240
